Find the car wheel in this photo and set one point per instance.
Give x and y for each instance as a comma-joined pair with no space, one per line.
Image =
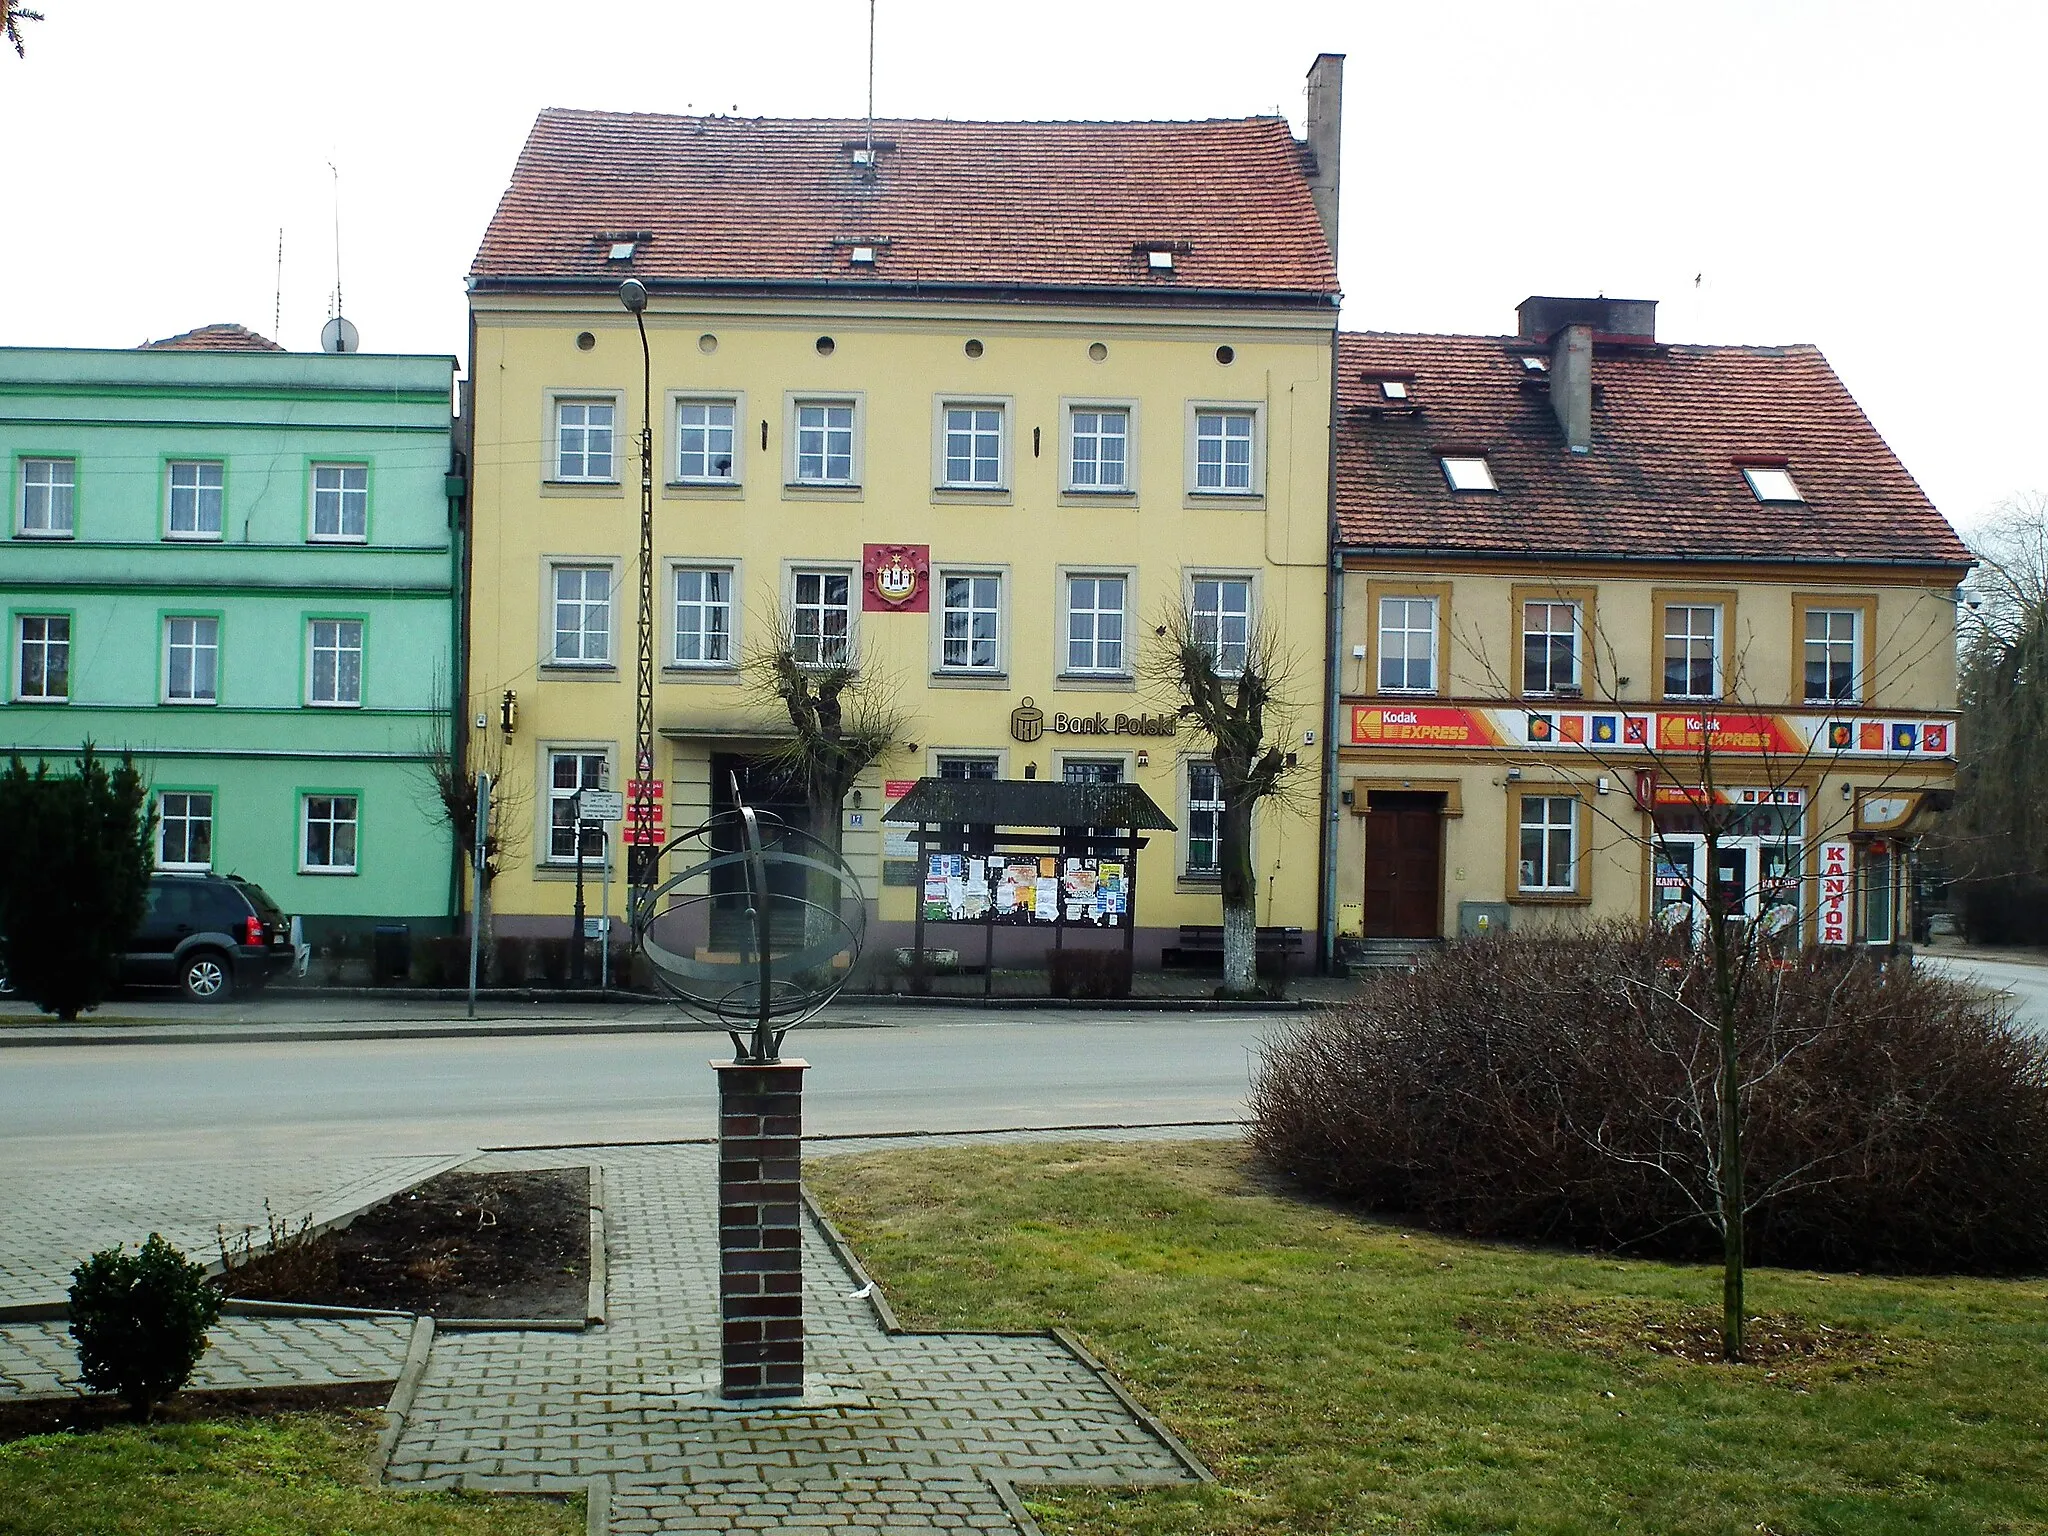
207,977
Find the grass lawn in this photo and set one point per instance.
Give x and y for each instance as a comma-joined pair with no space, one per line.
1341,1374
298,1474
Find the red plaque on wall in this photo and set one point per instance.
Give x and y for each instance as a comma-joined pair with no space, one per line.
896,578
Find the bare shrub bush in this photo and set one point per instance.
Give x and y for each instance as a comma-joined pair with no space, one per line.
1564,1090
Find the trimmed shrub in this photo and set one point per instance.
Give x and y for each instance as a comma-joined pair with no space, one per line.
510,963
1088,972
1562,1090
140,1321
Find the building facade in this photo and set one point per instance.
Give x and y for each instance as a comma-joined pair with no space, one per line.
1593,584
913,400
240,564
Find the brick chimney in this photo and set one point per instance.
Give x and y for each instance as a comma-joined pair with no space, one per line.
1571,385
1571,326
1325,132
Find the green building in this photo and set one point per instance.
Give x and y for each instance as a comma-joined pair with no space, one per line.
243,565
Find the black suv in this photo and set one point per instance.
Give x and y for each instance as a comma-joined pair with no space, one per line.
207,935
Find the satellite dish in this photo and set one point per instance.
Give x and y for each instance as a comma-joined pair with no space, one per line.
339,335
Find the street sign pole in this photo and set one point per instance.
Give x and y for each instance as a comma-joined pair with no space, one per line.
604,950
576,942
476,903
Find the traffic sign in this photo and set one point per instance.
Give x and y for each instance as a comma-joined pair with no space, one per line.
602,805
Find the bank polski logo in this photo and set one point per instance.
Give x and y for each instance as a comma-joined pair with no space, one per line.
1027,721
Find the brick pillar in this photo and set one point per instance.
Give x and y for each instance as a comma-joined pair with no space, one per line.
760,1260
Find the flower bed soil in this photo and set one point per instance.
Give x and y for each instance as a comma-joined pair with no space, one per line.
82,1415
489,1245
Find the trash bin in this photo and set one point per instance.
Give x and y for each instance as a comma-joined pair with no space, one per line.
391,953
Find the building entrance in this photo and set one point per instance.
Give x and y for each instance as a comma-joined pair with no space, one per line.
766,788
1404,839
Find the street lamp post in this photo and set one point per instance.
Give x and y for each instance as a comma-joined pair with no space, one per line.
644,856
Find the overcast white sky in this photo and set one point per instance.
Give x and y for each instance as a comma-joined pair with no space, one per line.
1863,174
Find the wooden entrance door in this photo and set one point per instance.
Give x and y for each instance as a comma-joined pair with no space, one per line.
1404,867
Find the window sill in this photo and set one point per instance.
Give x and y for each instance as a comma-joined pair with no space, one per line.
192,538
569,671
324,872
716,675
334,704
338,538
811,491
37,536
188,703
971,495
964,679
592,488
1549,899
1255,500
1094,682
40,699
1195,883
593,869
703,490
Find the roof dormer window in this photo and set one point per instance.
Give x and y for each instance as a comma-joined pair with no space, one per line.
1159,261
1771,482
1535,363
863,256
1394,389
1468,472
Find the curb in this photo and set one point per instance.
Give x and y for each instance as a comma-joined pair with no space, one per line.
997,1130
1006,1495
600,1277
408,1387
1160,1432
597,1507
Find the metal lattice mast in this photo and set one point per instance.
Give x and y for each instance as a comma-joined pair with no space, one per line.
646,850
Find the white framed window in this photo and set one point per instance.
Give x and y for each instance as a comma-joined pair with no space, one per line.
42,658
821,617
586,446
1833,657
330,829
49,489
569,772
1221,608
703,616
1692,650
1226,451
335,676
968,765
1550,647
707,441
824,442
197,489
184,838
1204,837
971,445
1098,448
582,603
971,622
1096,607
1772,483
341,502
1549,862
1468,472
192,660
1407,649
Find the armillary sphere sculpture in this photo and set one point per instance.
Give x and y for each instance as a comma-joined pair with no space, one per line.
805,921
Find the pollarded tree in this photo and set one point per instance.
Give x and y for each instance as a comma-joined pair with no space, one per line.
11,18
452,767
74,878
1228,684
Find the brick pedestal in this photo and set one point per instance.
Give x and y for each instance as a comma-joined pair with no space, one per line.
760,1258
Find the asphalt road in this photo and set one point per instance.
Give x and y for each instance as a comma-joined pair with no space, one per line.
2024,983
74,1105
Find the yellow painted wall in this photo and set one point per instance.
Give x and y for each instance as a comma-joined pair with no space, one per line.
899,359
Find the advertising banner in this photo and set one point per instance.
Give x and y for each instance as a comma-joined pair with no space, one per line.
1618,732
1835,877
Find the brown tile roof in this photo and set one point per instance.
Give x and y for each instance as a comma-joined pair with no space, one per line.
957,203
1661,481
220,337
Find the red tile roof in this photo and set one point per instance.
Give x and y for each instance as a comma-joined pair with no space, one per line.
1662,480
955,203
220,337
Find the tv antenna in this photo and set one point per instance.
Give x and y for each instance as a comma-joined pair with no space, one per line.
337,335
277,300
871,82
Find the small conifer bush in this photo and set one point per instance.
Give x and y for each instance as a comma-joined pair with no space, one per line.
140,1321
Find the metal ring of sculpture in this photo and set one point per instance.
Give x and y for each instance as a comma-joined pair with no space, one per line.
773,983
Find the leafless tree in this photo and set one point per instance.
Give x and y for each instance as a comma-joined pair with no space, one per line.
1230,691
450,766
11,18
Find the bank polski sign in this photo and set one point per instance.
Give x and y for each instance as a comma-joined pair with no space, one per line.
1028,723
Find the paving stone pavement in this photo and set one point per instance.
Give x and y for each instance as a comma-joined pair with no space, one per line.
901,1432
39,1360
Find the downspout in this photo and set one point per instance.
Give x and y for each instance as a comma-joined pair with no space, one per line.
458,686
1333,582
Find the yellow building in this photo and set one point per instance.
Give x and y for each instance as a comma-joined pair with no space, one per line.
1591,583
979,400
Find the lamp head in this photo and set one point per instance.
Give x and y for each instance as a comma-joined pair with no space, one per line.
633,294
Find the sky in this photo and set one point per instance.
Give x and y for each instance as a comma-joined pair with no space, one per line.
1865,175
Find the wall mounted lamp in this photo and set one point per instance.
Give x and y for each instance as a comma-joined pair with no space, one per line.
508,712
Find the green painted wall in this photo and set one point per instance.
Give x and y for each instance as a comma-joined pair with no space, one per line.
268,418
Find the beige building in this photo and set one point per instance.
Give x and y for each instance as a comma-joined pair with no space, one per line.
1591,585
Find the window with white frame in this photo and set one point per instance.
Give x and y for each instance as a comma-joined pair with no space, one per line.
1550,845
1407,645
1095,624
1692,650
330,834
584,440
337,670
824,442
196,488
569,773
184,830
1831,654
1221,608
1550,647
1205,821
974,446
341,502
970,622
1099,439
965,765
704,438
42,660
192,660
703,616
48,487
821,618
583,615
1223,450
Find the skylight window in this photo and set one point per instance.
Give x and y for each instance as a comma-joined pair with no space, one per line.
1394,389
1531,363
863,255
1468,472
864,156
1159,261
1771,484
622,250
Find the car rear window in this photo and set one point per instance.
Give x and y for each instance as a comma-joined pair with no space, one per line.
266,909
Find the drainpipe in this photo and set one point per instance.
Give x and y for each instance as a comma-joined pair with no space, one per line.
1326,915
